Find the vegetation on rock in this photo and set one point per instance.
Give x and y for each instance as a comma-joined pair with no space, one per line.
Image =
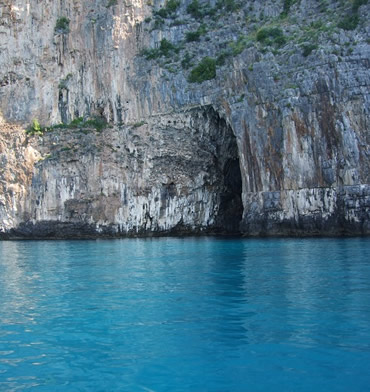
35,128
271,36
95,123
192,36
166,48
169,9
205,70
286,7
111,3
226,36
62,25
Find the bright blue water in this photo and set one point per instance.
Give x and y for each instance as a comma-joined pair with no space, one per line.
185,315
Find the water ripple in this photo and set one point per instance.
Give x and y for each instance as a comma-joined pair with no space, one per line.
185,315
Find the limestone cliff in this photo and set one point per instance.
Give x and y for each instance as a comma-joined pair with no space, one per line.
184,117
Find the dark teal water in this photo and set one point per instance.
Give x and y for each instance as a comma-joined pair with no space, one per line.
185,315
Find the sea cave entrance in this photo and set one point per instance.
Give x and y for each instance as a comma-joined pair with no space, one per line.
228,185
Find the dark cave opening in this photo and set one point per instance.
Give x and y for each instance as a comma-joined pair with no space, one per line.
231,206
229,188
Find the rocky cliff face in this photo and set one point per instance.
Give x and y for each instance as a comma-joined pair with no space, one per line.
184,117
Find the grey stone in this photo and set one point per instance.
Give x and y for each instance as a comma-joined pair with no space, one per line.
277,143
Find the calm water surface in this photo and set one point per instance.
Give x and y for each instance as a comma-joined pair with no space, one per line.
185,315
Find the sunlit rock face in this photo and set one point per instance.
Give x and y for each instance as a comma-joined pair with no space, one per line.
277,143
184,178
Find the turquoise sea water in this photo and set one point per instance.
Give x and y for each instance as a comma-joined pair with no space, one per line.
194,314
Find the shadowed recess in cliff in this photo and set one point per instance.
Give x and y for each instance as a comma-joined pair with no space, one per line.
227,159
231,207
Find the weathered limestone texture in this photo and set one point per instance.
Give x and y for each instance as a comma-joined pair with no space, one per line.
183,178
274,140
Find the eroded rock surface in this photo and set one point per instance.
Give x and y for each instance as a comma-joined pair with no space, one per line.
277,143
184,178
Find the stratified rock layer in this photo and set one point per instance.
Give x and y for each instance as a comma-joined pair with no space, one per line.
276,144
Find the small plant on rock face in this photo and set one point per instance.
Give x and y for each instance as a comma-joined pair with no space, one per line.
36,125
357,4
178,22
221,58
62,25
111,3
238,46
286,7
192,36
35,128
271,36
199,11
150,54
194,9
172,5
241,98
349,22
158,23
308,48
169,9
76,122
166,48
186,61
268,32
229,5
99,123
205,70
139,124
162,12
64,82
